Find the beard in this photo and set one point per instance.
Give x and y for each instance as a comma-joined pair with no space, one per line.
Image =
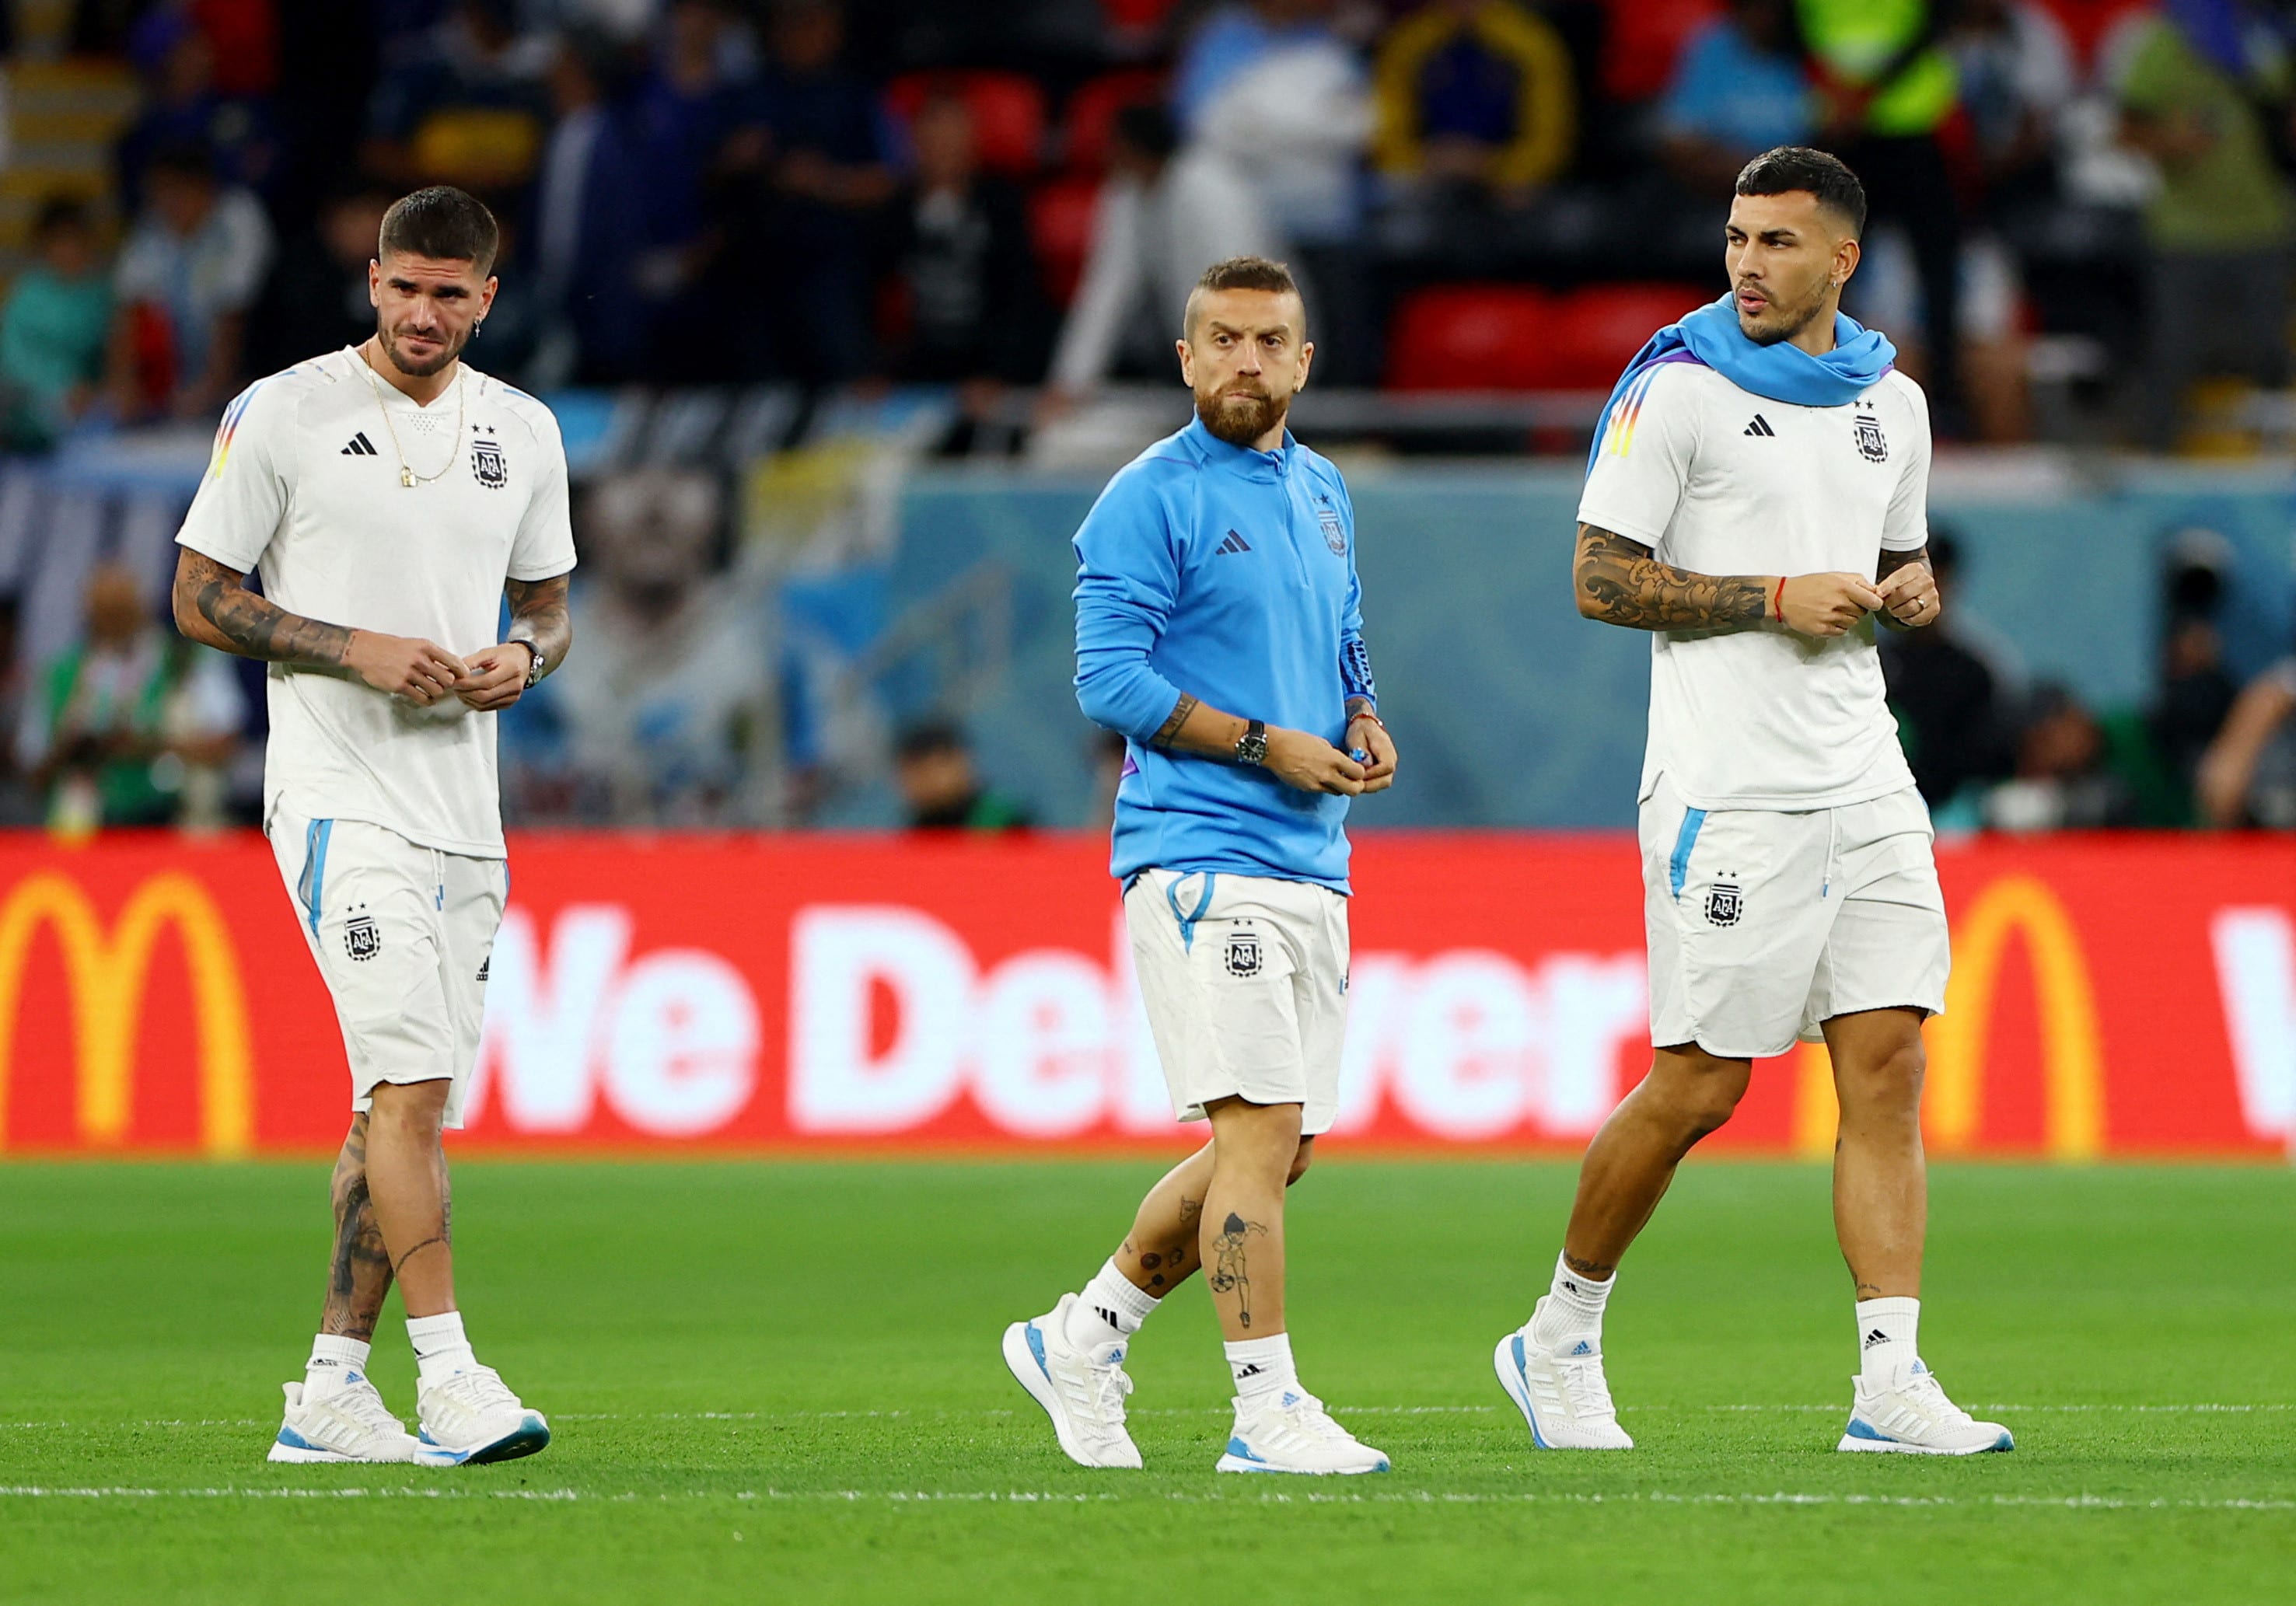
1241,416
1782,323
451,348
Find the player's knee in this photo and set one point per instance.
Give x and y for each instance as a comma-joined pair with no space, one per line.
411,1109
1890,1079
1301,1158
1701,1090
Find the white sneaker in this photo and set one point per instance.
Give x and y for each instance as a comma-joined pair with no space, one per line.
1290,1432
470,1416
348,1422
1916,1418
1564,1397
1082,1390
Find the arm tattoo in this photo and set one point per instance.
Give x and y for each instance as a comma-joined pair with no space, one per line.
1620,583
1230,1272
1892,561
254,626
538,615
1171,729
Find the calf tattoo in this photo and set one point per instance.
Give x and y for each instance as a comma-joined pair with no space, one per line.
359,1274
1230,1272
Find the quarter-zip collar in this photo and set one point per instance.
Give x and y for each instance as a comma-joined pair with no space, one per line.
1245,460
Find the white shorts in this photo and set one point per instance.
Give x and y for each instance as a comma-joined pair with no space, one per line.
1763,925
403,935
1245,978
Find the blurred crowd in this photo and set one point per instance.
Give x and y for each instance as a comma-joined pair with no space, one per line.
990,195
1005,201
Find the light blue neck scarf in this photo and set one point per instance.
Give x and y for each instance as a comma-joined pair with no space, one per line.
1783,372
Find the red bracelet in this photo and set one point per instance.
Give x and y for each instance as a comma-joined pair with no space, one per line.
1779,601
1370,714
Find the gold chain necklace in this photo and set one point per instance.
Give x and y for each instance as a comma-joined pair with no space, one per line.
407,477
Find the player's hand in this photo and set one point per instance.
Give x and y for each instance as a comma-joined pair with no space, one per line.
1304,760
422,672
1911,593
1826,604
1367,736
496,677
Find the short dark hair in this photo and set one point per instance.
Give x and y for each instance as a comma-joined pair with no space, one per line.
59,212
1147,127
1241,273
444,223
1790,167
929,738
183,156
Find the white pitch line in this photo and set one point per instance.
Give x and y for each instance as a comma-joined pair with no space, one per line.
1420,1497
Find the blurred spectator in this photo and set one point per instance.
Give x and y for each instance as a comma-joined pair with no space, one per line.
2017,77
132,724
965,268
664,717
1474,97
1886,89
1162,217
798,237
189,271
1738,90
54,329
2196,692
2063,782
2248,776
1275,90
1953,710
2203,91
177,62
588,233
317,299
469,109
939,788
687,110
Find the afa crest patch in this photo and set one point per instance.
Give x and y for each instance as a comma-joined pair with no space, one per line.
1725,902
487,465
362,937
1243,957
1872,445
1335,534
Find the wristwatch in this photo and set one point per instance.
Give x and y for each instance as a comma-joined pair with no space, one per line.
533,669
1251,747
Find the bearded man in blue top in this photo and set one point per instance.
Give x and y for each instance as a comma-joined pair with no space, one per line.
1217,572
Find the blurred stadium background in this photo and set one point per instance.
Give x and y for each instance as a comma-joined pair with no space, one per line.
848,310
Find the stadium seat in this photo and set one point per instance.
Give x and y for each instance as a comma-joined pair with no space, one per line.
1137,17
1060,226
1092,113
1643,39
1008,113
1472,337
1598,328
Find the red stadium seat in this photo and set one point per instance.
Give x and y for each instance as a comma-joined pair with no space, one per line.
1597,330
1092,113
1060,225
1137,16
1008,113
1472,337
1642,39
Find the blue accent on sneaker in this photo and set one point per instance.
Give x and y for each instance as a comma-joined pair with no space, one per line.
2007,1441
1523,1369
296,1441
1036,1348
1584,1348
1242,1451
1860,1429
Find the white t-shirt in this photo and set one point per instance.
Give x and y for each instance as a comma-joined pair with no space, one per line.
305,486
1717,481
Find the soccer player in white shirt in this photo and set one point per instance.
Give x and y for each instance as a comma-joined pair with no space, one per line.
1757,500
391,497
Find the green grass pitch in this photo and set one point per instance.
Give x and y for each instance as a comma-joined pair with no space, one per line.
781,1382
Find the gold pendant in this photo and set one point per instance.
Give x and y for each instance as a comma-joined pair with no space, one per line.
406,476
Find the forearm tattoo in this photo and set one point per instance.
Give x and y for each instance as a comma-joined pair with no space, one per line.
1892,561
1230,1272
255,626
538,614
359,1275
1169,731
1620,583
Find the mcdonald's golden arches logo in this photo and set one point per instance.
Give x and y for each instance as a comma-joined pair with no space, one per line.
106,973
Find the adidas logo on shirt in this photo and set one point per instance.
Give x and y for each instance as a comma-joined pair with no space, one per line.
360,446
1761,426
1234,543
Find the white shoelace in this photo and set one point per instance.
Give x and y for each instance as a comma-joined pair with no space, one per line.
1583,1381
362,1403
1110,1384
479,1388
1926,1393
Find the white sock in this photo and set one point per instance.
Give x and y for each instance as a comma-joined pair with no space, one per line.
1573,1307
1262,1365
1110,1310
440,1347
1886,1348
334,1360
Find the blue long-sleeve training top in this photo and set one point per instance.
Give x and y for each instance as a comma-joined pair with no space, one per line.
1228,574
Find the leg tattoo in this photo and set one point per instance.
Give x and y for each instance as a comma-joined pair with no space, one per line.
360,1273
1596,1269
1230,1272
